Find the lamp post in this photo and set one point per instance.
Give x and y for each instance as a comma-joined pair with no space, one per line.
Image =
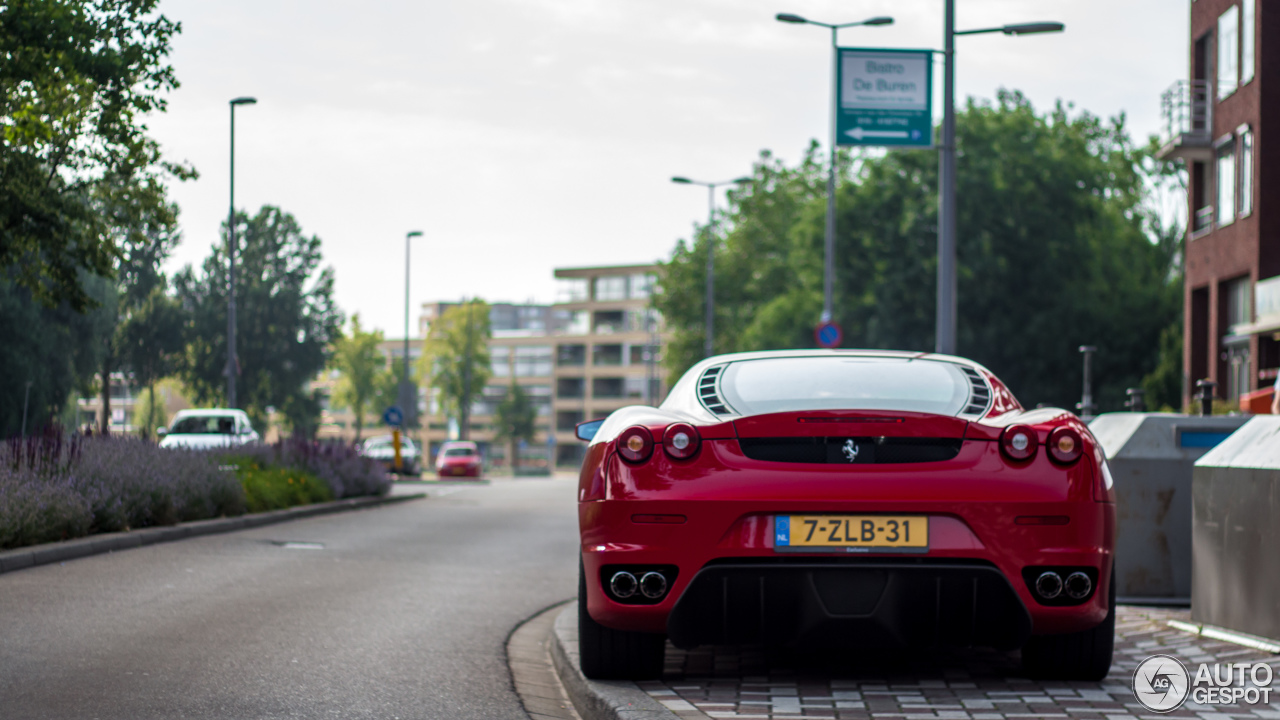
945,334
404,380
708,344
829,238
231,262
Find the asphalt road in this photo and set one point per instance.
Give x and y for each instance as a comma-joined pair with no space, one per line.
403,613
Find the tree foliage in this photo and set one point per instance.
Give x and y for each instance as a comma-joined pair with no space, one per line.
457,359
515,420
75,162
1056,250
359,359
285,315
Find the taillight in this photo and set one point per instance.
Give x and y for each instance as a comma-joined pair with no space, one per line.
1018,442
635,444
680,441
1065,445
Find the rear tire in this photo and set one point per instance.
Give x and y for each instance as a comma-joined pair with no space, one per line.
1084,655
608,654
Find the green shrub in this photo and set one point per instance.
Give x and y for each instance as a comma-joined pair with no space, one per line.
271,487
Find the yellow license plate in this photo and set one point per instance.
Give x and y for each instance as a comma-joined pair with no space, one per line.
854,532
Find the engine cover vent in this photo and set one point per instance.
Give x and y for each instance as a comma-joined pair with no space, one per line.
979,393
709,391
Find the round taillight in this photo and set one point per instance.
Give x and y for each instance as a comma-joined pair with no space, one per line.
1018,442
635,444
1065,445
680,440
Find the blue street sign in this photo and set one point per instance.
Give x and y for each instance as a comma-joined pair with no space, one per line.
828,334
886,97
393,416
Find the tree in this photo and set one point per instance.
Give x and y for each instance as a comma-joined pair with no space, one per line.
1056,250
286,319
360,360
149,343
457,359
515,420
79,76
58,350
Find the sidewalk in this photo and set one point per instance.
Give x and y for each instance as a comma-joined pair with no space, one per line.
731,682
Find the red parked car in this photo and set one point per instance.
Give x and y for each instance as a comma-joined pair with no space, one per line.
458,458
851,500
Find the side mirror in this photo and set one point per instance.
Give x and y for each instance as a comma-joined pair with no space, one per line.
587,431
162,431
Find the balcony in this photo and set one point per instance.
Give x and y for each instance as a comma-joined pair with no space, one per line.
1187,110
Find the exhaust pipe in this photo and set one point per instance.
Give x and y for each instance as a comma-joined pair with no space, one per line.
653,585
1049,585
624,584
1078,585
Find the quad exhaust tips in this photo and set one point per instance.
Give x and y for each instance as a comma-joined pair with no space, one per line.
1078,585
1049,585
1060,586
624,585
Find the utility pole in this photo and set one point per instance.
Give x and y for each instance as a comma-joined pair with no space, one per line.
233,366
26,398
1086,401
464,411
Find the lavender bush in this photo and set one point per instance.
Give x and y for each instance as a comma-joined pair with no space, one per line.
55,487
347,472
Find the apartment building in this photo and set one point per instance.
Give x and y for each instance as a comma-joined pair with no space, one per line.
1218,121
597,348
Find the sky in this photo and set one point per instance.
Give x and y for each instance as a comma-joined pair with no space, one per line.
524,135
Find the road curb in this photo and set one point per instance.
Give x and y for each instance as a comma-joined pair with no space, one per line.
597,699
55,552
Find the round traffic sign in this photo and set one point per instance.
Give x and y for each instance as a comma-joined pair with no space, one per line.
828,334
393,416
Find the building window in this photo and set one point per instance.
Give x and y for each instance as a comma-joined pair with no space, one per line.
573,322
611,288
540,397
533,360
1226,184
571,388
499,361
608,388
567,420
641,354
641,286
1246,171
1236,295
571,355
607,355
610,321
1228,51
571,290
1248,28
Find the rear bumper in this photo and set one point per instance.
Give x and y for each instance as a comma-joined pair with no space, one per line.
881,604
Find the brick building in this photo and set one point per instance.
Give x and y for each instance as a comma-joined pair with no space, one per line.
1219,121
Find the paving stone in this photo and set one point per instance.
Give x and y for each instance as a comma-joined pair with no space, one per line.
970,684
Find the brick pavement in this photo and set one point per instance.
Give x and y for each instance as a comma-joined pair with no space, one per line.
942,685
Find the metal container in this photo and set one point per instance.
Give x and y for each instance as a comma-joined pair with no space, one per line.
1151,456
1236,532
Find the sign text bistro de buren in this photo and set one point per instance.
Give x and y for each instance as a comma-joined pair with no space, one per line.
886,97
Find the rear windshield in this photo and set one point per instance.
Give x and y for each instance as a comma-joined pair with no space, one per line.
753,387
459,452
381,443
204,425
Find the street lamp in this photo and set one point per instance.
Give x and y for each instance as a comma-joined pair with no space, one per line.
404,381
232,365
828,275
707,344
945,341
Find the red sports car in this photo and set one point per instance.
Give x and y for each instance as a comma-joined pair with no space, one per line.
848,499
458,458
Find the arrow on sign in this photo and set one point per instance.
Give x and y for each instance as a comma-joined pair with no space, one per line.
858,133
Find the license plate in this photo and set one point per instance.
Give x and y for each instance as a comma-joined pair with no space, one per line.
851,533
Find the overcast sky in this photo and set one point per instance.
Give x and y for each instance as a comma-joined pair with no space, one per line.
525,135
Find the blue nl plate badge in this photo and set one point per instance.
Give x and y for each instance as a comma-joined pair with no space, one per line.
782,531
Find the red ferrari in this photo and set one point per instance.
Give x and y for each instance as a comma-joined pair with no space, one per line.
851,500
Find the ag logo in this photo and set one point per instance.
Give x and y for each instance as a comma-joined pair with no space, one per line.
1161,683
